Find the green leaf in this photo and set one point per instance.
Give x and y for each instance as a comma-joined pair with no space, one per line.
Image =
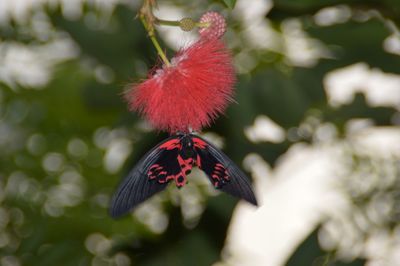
230,3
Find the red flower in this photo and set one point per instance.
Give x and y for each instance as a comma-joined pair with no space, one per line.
190,93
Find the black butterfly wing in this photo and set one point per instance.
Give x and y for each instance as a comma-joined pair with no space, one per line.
222,172
149,176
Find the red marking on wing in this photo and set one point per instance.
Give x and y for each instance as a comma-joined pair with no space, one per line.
199,143
158,172
198,161
186,167
171,144
219,175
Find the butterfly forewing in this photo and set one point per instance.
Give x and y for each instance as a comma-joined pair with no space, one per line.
148,177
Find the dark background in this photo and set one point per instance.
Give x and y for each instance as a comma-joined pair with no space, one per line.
66,137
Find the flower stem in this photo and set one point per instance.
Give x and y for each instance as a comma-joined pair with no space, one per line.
148,19
168,22
203,24
178,23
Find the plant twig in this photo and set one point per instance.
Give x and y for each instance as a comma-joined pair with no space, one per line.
148,19
178,23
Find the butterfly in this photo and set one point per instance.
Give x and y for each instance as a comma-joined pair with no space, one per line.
172,160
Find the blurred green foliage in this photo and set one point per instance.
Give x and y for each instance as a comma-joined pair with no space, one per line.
230,3
55,139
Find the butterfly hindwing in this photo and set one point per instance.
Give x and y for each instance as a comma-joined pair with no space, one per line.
149,176
222,172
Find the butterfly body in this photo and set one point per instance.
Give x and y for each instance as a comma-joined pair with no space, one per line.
173,160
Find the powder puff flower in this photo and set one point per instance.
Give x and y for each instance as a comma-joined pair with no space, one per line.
190,93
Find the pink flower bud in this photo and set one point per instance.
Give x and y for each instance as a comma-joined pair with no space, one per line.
216,28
